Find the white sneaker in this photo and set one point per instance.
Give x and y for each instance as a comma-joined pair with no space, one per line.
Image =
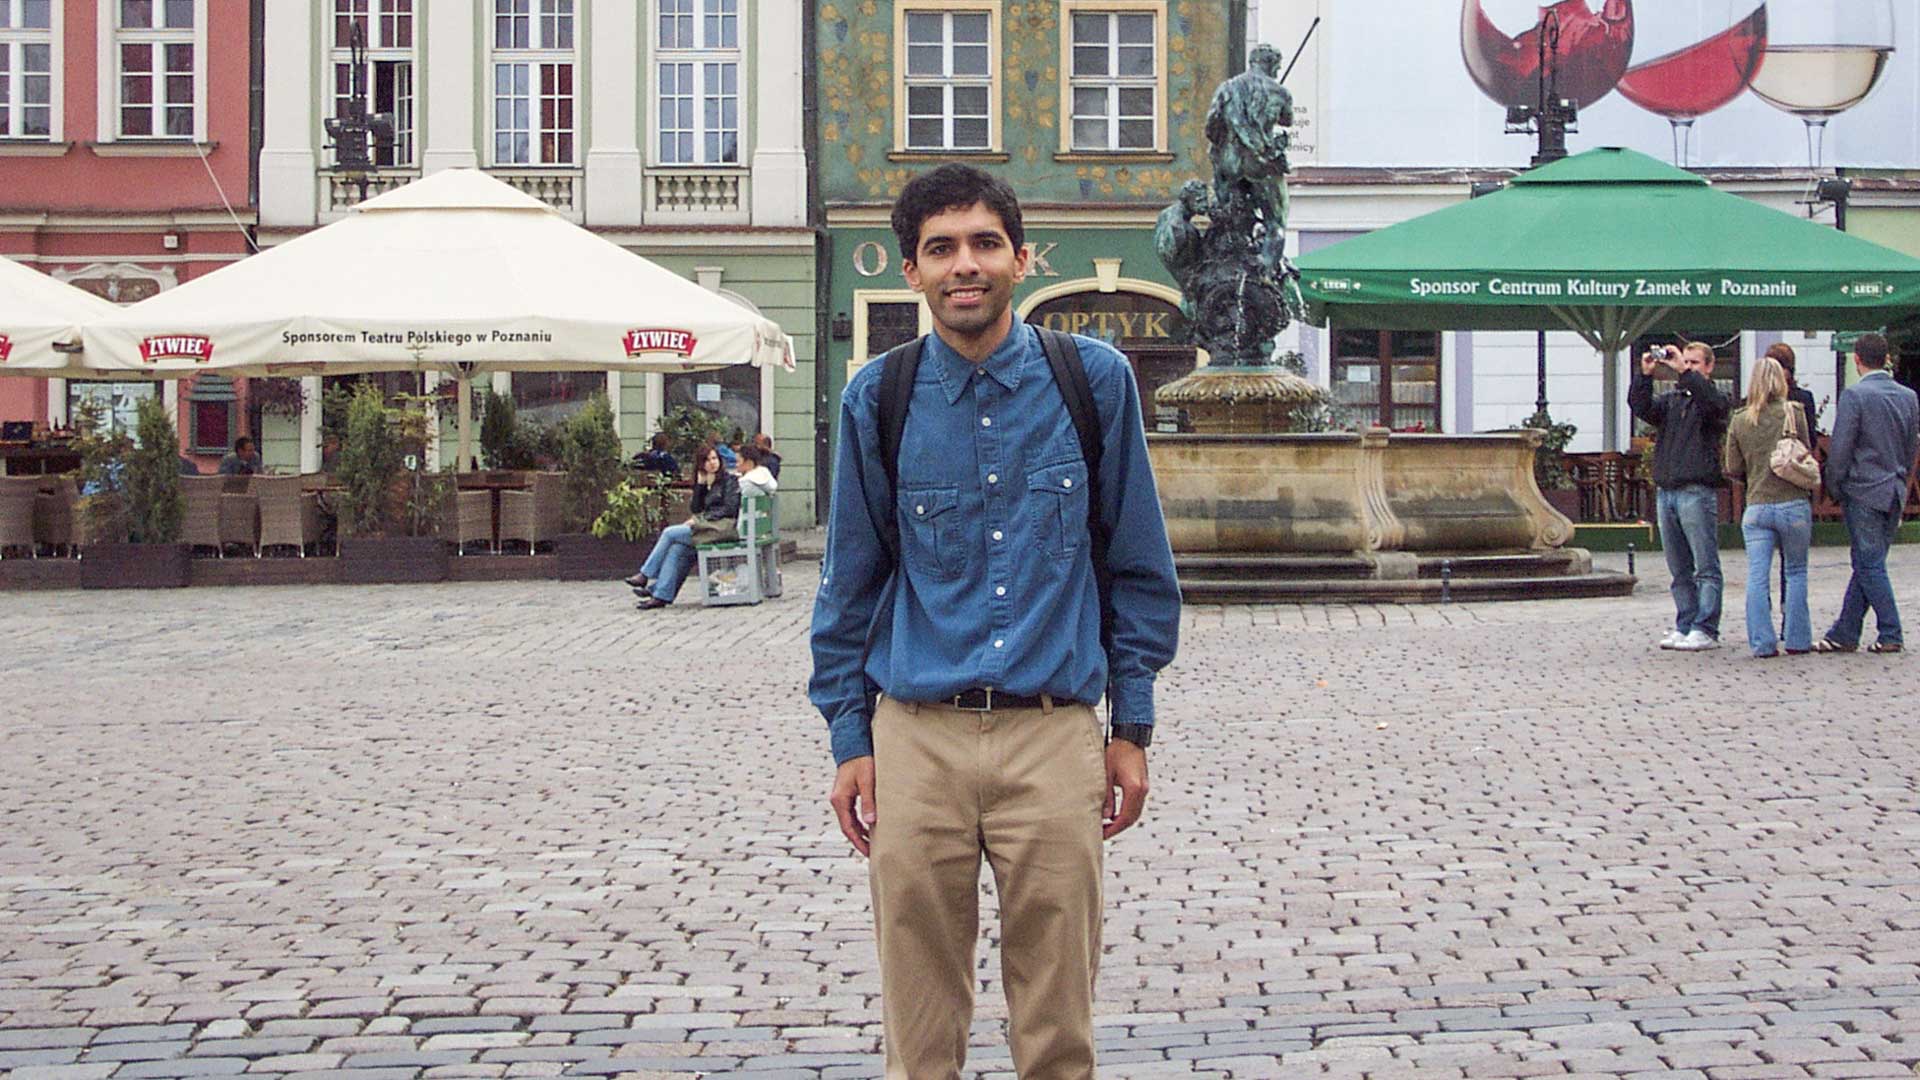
1672,640
1697,641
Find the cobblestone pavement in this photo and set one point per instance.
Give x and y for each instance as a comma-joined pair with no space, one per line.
520,830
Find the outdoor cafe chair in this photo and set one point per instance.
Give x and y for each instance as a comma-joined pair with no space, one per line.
54,509
17,496
289,516
537,514
473,520
200,516
747,570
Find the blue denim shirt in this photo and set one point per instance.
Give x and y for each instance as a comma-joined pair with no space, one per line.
997,589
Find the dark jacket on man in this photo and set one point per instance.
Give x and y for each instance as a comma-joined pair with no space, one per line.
1692,420
1875,429
719,501
1808,408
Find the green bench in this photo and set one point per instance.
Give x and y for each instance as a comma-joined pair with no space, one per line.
747,570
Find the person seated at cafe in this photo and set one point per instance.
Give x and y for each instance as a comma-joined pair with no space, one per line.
188,466
243,461
767,457
657,457
728,457
716,510
755,477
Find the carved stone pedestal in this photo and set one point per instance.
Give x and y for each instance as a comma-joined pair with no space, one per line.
1237,400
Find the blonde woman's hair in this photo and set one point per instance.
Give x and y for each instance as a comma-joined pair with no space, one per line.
1768,384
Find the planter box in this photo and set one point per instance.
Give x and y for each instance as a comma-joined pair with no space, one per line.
393,560
134,566
585,557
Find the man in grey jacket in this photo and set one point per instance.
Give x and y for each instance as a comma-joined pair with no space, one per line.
1876,434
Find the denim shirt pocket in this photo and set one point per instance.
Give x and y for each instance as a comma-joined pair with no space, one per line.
1057,499
930,531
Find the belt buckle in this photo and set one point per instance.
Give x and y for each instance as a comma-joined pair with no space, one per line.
988,707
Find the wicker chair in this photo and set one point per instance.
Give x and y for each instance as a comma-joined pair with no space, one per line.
17,495
54,510
473,520
537,514
289,517
200,521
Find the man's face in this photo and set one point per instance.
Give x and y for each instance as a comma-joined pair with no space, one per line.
966,266
1696,360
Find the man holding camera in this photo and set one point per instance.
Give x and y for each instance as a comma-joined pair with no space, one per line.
1691,420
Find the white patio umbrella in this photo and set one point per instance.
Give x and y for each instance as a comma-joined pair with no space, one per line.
40,320
457,273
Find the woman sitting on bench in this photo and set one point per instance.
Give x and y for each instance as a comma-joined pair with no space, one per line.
755,477
716,513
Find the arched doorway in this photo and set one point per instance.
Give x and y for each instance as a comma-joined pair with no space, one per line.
1149,329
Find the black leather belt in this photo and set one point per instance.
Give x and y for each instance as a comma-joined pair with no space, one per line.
985,700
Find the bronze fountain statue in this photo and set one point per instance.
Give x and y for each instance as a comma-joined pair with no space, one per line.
1225,243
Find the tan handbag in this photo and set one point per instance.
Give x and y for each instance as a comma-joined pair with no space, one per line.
1791,460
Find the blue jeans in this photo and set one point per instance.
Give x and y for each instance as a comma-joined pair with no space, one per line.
1788,527
1871,530
1689,534
672,557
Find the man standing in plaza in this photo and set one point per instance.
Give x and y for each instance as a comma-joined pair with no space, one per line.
964,630
1876,433
1692,429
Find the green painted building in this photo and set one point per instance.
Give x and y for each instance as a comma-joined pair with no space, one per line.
1093,110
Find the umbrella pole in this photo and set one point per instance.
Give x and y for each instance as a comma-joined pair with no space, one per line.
464,392
1610,404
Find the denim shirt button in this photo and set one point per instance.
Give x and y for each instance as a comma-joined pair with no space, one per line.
1068,482
993,478
986,421
920,509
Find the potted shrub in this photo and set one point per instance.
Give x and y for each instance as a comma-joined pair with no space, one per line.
689,427
392,503
131,507
623,534
590,452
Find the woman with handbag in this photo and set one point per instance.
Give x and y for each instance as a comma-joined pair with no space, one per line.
1766,445
716,513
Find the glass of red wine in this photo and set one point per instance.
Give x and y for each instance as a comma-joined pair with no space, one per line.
1683,70
1823,58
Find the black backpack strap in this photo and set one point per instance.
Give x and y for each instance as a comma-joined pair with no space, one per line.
898,368
1070,375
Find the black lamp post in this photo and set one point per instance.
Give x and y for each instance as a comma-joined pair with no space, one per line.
355,132
1550,118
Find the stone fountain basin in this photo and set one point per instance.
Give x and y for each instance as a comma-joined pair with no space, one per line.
1349,493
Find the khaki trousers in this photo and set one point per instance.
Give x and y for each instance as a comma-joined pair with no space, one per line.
1024,787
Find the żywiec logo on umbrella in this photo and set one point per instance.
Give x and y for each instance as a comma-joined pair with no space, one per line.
678,342
6,348
195,347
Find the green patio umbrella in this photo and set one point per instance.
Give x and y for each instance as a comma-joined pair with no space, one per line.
1610,244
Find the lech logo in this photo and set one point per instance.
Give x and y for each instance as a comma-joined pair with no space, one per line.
1866,290
1333,285
6,348
195,347
678,342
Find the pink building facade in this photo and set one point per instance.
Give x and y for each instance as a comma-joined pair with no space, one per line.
126,149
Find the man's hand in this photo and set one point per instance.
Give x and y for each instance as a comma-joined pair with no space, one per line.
852,800
1126,770
1648,361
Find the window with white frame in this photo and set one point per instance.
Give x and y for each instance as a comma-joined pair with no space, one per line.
26,69
698,57
949,80
386,32
1115,81
155,54
533,91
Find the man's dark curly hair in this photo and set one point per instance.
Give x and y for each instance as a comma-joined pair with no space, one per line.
953,187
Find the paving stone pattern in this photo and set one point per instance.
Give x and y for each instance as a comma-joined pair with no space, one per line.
519,829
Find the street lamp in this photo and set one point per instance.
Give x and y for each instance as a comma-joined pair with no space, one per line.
1549,118
355,132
